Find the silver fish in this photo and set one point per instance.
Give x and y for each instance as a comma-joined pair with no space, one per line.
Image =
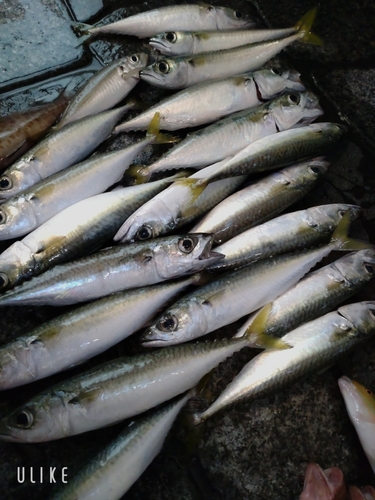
183,17
114,269
236,294
106,88
79,229
314,345
78,335
233,133
286,233
175,207
260,201
181,72
116,390
184,43
59,150
278,150
207,102
318,293
34,206
112,471
360,405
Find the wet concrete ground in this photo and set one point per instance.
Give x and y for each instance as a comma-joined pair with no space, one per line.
257,450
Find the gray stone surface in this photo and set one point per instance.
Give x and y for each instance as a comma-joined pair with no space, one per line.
258,450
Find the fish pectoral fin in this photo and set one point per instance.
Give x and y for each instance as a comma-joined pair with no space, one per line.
86,396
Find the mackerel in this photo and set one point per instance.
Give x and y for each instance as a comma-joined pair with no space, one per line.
209,101
181,72
106,88
117,390
112,471
79,229
34,206
237,293
59,150
315,345
182,17
233,133
114,269
286,233
261,200
76,336
318,293
184,43
279,150
175,207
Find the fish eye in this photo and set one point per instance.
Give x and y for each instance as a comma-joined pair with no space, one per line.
238,14
369,269
163,67
4,280
294,98
134,58
276,71
24,419
171,36
144,233
370,393
210,8
186,245
5,182
3,217
314,170
167,323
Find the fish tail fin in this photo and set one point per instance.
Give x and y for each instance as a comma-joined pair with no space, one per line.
83,31
196,186
304,28
138,174
255,335
154,131
341,240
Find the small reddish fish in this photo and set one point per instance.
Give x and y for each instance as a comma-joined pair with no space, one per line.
323,485
19,131
366,493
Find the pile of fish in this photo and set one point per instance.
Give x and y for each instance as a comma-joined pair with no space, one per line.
63,209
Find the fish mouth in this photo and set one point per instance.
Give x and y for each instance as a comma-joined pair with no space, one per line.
208,253
157,44
150,74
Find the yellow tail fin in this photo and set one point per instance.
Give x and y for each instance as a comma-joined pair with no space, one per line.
154,130
304,28
341,240
255,332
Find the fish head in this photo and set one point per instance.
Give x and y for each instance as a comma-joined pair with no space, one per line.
323,485
19,177
332,132
184,321
128,65
271,82
16,218
305,173
357,266
326,218
43,418
362,316
227,19
185,254
359,401
173,42
295,109
14,265
167,73
150,220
